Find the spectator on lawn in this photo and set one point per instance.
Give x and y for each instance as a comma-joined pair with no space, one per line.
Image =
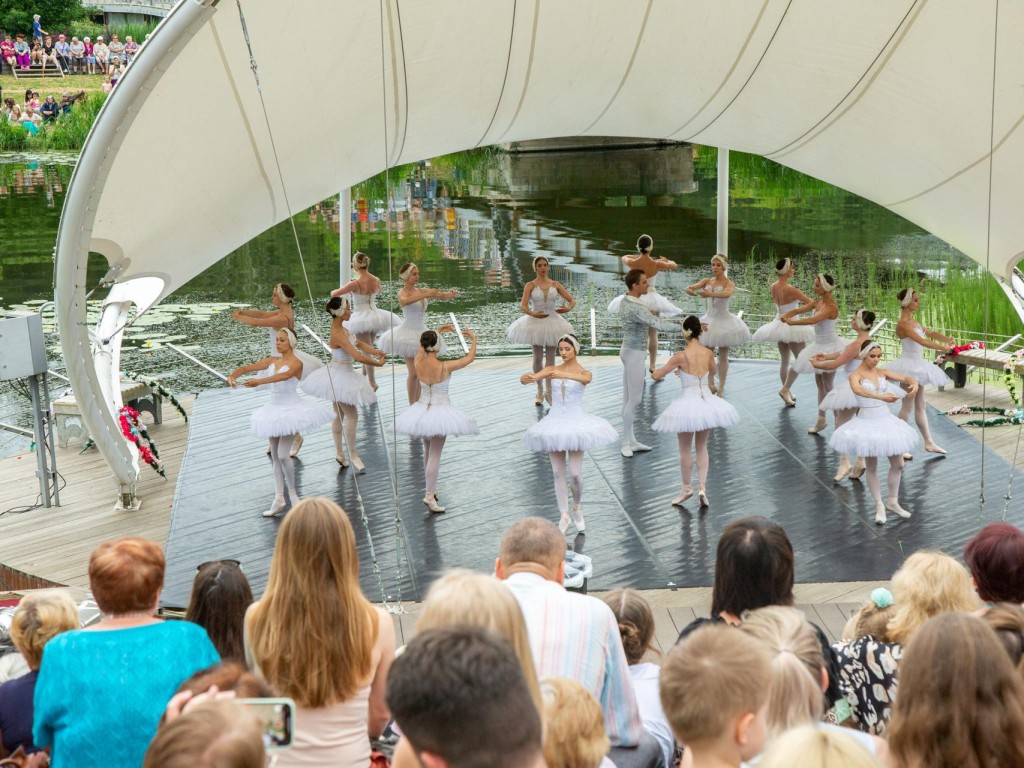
22,52
131,48
76,49
37,29
89,58
63,49
116,54
50,109
102,53
7,53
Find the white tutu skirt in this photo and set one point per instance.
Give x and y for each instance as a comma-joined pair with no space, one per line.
372,320
842,398
874,432
289,415
438,420
926,374
802,364
569,429
779,332
693,413
724,331
539,331
404,341
339,383
653,300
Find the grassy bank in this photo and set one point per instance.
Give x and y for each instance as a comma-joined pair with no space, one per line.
68,132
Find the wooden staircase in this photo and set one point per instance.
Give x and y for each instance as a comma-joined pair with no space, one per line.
36,72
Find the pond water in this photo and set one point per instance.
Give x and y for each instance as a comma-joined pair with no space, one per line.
475,221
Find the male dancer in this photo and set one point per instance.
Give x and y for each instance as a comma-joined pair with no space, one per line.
636,319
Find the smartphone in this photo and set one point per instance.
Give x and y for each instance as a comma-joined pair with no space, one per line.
278,718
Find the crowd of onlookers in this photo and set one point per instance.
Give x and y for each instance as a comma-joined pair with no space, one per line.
35,112
515,670
67,53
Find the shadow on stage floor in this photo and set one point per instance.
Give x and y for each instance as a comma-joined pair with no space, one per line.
767,465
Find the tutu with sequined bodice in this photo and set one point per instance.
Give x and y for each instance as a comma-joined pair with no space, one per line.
912,363
367,317
696,409
779,332
541,331
875,430
724,328
567,427
288,412
404,341
826,342
339,383
433,415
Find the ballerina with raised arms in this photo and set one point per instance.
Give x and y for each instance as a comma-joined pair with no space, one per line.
791,339
723,329
367,321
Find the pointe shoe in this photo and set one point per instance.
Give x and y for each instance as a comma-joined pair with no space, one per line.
893,505
626,450
432,504
859,467
687,493
563,522
296,445
845,468
539,399
577,517
908,457
933,448
276,508
880,515
819,425
341,459
358,465
639,447
787,398
702,497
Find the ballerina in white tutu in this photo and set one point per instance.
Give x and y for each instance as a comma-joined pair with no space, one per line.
337,383
791,339
658,304
723,329
368,321
914,337
433,417
567,428
542,324
284,416
841,400
696,411
875,432
404,341
826,341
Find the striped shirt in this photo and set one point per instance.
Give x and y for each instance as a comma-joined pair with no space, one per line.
636,319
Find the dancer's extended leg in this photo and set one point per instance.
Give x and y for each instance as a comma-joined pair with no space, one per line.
723,369
921,417
275,454
652,348
632,395
561,489
412,381
538,363
845,467
874,487
368,337
284,460
895,475
794,350
576,486
685,467
337,433
703,462
432,462
824,383
549,359
351,423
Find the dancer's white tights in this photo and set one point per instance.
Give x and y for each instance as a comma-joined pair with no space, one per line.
346,418
284,467
893,482
686,460
824,382
543,356
558,466
368,337
632,389
920,405
432,461
412,381
723,366
787,352
652,346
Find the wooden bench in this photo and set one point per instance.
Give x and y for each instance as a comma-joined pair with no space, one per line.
993,359
68,416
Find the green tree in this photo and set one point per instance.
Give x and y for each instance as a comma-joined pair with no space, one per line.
16,15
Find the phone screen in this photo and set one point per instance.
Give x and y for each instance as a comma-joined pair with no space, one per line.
278,718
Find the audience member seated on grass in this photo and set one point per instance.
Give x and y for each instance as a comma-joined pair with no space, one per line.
463,597
316,639
102,690
811,747
213,734
574,734
995,558
571,635
714,687
459,696
926,585
1007,619
39,618
31,121
636,628
50,109
961,702
220,597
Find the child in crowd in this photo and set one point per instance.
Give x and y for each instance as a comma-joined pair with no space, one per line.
574,735
714,689
816,749
872,618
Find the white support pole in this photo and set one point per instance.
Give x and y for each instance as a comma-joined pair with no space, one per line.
593,328
723,202
316,338
458,331
345,235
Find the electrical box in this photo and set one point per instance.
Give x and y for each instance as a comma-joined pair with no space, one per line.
22,346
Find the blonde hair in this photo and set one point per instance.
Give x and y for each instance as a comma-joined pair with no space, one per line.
463,597
817,748
636,621
872,619
794,693
713,676
210,735
312,633
40,617
723,260
574,735
926,585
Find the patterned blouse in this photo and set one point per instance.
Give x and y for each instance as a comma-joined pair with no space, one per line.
867,679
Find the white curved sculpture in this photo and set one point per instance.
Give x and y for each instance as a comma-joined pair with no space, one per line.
891,99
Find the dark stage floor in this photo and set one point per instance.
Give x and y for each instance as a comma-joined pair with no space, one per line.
767,465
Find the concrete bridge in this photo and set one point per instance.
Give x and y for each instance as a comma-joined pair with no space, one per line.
133,11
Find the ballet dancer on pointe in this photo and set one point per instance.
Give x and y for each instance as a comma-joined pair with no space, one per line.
404,341
723,329
338,384
285,415
567,428
914,337
696,411
875,432
433,418
826,341
791,339
542,324
367,320
658,304
637,320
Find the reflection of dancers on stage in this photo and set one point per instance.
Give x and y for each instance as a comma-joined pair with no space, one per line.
285,415
367,320
567,428
339,384
542,324
875,432
913,337
696,411
825,312
790,339
724,329
433,417
655,302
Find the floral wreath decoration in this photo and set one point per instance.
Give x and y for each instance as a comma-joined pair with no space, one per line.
135,432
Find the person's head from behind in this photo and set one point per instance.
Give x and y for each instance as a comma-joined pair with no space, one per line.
995,558
795,694
960,702
532,545
636,622
220,596
873,618
692,329
713,691
463,597
39,617
812,747
753,567
228,676
926,585
126,575
461,700
574,735
1007,620
213,734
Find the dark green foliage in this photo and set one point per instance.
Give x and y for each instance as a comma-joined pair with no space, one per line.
16,15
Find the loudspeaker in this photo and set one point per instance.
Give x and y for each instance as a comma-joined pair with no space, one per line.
22,346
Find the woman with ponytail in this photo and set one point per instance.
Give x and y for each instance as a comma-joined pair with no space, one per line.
791,339
724,329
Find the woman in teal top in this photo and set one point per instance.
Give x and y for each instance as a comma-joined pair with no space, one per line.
102,690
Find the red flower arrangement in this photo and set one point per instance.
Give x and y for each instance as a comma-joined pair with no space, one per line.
134,432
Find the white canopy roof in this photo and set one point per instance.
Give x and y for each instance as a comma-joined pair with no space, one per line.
890,99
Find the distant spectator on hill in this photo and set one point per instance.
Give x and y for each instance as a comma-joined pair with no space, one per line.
63,49
108,84
131,48
7,52
102,53
89,57
995,558
50,54
37,28
37,52
22,52
220,597
116,54
76,50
